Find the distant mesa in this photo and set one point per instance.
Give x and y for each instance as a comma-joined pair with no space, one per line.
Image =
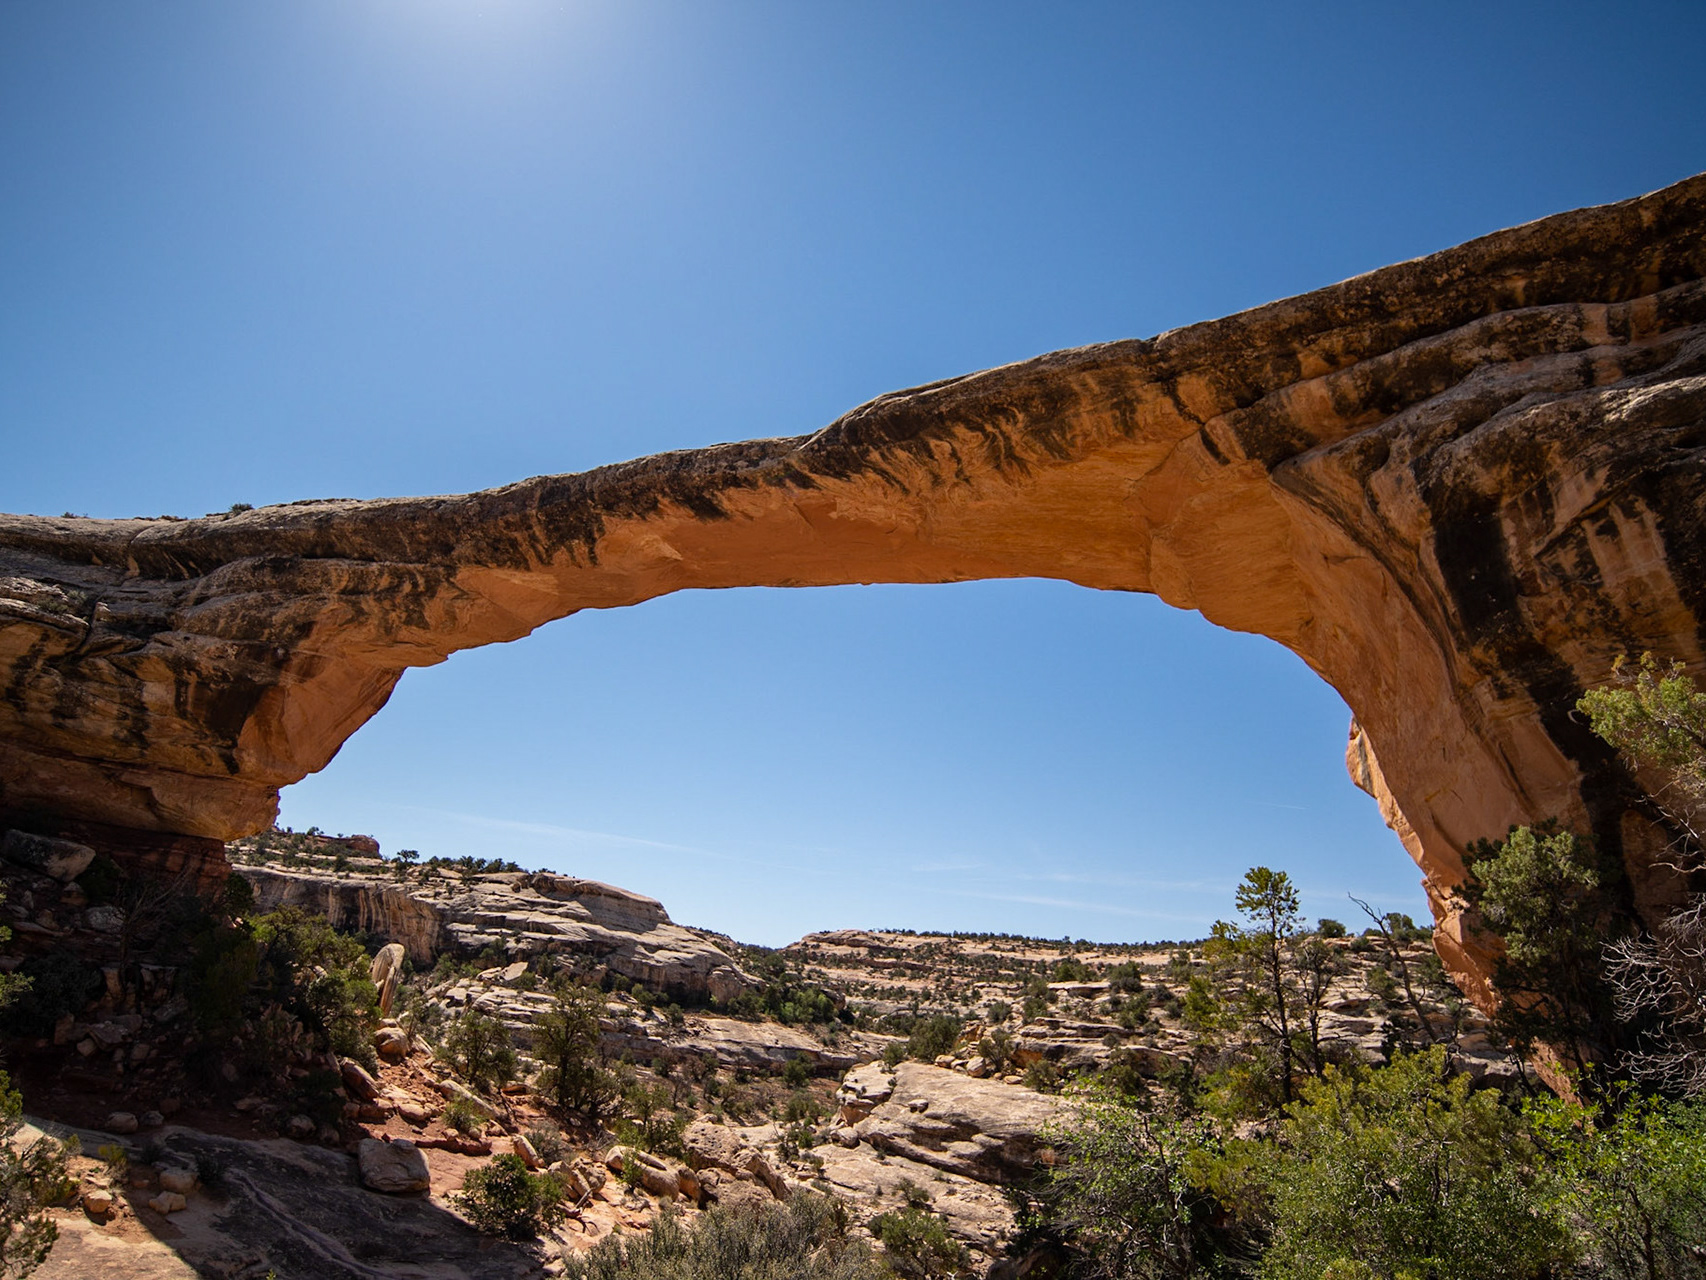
1458,488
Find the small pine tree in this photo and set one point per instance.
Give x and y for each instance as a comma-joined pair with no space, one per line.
478,1047
566,1042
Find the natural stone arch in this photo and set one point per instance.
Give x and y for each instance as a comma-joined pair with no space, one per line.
1457,488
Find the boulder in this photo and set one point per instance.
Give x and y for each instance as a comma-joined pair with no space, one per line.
64,860
98,1201
386,971
394,1168
524,1148
357,1081
709,1145
862,1090
978,1215
732,1193
391,1043
979,1129
167,1202
183,1181
110,1034
657,1175
121,1122
762,1170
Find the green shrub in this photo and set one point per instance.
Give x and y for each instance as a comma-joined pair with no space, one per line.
223,965
1072,969
1635,1190
59,983
464,1117
1179,966
1037,999
932,1037
502,1198
319,1095
33,1176
1200,1008
803,1105
272,1040
996,1049
796,1073
1125,978
917,1246
547,1143
1381,984
1545,893
1121,1194
1403,1170
804,1240
566,1042
1327,927
1043,1076
478,1047
653,1127
1133,1011
320,977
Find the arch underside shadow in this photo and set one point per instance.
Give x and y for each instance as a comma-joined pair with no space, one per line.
1458,488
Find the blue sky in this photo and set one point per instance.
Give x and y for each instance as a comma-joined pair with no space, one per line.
368,247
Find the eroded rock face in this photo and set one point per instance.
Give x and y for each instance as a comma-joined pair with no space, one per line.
1457,487
526,914
979,1129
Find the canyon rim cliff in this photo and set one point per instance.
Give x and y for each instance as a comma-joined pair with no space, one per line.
1458,488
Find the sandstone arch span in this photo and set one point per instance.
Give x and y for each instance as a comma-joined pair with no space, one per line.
1457,487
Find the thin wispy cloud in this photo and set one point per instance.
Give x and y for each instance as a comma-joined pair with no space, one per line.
1063,904
1126,882
608,839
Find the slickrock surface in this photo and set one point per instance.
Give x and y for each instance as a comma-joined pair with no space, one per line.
977,1214
980,1129
525,913
282,1208
1457,487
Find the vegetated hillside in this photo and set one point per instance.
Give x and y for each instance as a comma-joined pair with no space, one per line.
462,1048
1058,1009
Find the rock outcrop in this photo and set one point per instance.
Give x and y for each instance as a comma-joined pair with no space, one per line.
982,1130
282,1209
395,1168
526,914
1457,488
633,1031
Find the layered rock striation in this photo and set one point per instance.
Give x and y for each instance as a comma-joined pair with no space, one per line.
526,914
1458,488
